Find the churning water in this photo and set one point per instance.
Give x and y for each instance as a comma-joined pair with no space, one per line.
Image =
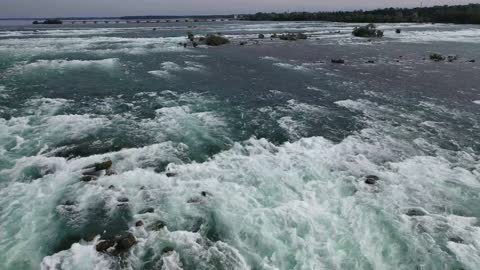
262,156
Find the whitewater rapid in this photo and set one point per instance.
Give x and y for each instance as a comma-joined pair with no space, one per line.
252,157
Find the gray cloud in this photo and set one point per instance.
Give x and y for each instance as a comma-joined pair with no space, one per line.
63,8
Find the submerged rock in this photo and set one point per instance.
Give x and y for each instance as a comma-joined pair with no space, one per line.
122,199
371,179
69,202
88,178
416,212
156,225
261,36
147,210
456,239
167,249
452,58
206,193
338,61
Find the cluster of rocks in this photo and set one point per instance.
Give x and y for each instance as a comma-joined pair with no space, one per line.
368,31
450,58
209,40
117,245
292,36
92,172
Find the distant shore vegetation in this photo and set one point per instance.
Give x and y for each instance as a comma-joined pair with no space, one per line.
459,14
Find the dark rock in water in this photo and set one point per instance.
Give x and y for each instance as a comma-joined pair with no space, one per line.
206,193
437,57
452,58
170,174
416,212
88,178
261,36
69,202
156,226
293,36
110,172
371,179
104,245
194,200
471,61
105,165
111,187
456,239
370,62
122,199
125,242
139,223
302,36
147,210
338,61
243,43
167,249
216,40
398,31
370,30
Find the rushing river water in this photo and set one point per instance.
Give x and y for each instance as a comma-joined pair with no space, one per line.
262,156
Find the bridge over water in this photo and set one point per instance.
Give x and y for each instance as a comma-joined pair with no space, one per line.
131,21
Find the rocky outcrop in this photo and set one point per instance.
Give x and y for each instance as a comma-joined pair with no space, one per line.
338,61
293,36
416,212
437,57
371,179
147,210
92,172
215,40
368,31
117,245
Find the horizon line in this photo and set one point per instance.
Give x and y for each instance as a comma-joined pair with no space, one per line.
225,14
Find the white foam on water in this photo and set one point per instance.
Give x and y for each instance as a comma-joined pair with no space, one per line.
298,205
476,102
62,64
170,68
97,45
292,67
161,73
269,58
4,92
443,34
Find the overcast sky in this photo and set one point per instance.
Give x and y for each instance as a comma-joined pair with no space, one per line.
67,8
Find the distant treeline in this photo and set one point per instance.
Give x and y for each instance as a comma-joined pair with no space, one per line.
152,17
461,14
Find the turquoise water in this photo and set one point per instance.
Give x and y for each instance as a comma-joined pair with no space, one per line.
254,156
